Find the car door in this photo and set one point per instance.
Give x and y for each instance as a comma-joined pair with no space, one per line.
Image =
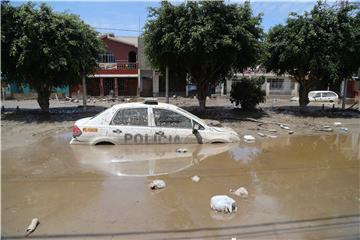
172,127
131,126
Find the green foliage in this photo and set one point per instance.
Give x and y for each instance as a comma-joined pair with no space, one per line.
247,92
46,49
318,48
205,39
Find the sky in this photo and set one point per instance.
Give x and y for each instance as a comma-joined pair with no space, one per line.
106,16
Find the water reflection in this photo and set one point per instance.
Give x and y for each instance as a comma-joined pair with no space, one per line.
145,160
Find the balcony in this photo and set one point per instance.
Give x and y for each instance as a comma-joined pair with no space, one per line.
119,65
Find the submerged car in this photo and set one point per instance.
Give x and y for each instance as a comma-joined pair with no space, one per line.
148,122
320,96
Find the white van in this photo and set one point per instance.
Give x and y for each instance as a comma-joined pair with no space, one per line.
320,96
323,96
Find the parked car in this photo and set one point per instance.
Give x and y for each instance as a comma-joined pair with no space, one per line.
148,122
320,96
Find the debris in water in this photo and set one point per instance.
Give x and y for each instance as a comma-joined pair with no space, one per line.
223,203
337,124
271,136
344,129
31,228
157,184
181,150
290,132
272,130
195,178
241,192
284,127
249,138
261,134
326,129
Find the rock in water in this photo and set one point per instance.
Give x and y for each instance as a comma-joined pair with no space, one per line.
261,134
157,184
249,138
195,178
284,127
337,124
241,192
223,203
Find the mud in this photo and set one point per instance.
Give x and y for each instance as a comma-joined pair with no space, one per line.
300,186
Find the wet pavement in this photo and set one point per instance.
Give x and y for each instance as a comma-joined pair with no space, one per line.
303,187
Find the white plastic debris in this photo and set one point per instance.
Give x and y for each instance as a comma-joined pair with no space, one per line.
284,127
249,138
261,134
272,130
344,129
195,178
337,124
157,184
271,136
327,129
223,203
181,150
34,223
240,192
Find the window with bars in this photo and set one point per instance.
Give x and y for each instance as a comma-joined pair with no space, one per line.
107,57
276,83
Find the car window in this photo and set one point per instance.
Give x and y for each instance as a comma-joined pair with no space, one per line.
131,117
317,95
167,118
198,124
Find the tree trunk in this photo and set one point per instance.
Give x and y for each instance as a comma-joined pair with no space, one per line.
202,90
43,99
303,94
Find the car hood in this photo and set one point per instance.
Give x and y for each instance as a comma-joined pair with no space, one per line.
224,130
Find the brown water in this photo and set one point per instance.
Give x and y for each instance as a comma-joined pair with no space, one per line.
299,187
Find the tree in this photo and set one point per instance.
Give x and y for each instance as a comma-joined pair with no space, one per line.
46,49
319,47
247,92
204,39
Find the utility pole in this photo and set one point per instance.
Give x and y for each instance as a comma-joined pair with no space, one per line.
344,94
167,84
84,93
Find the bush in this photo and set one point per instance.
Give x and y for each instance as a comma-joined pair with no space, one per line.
247,93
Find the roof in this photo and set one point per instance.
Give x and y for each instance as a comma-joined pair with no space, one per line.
133,41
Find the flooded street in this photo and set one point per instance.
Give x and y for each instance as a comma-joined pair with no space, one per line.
302,186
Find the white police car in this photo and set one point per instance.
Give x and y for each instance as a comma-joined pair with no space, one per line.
148,122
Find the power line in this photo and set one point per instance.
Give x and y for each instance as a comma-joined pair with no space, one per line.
117,29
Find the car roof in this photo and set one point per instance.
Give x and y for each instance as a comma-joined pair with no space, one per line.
143,105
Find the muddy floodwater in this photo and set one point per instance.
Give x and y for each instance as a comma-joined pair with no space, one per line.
300,187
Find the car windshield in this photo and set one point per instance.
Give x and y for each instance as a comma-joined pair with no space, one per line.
191,115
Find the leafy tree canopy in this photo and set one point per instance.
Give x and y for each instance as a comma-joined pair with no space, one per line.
46,49
205,39
319,46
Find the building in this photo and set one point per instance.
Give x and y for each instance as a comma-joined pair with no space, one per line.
123,70
279,86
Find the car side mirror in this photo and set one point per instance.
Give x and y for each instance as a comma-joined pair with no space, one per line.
195,128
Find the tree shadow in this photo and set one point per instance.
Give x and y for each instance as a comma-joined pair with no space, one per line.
59,114
315,111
